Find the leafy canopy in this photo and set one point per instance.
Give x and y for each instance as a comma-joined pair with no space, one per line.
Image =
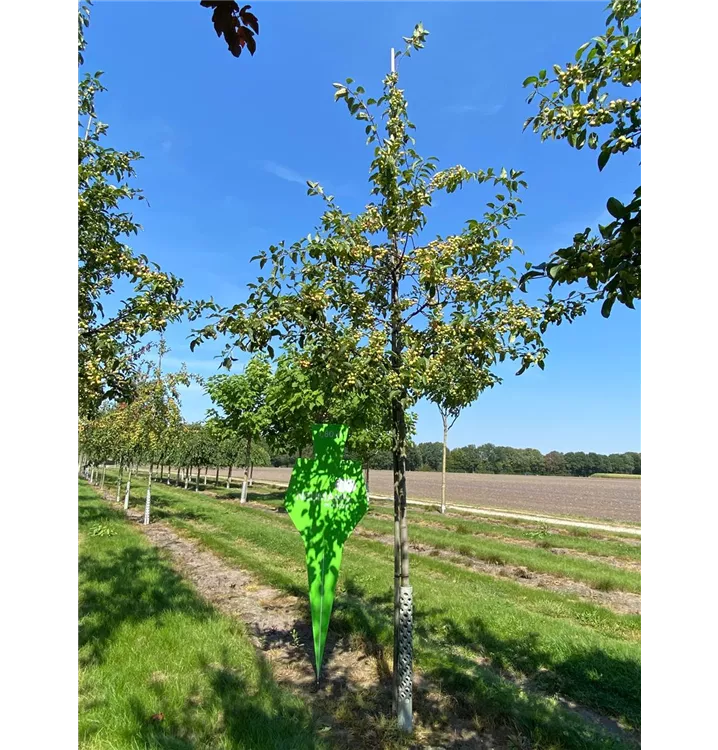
110,343
587,106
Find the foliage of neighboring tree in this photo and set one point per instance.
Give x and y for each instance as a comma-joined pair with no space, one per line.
365,289
236,24
111,332
241,402
589,105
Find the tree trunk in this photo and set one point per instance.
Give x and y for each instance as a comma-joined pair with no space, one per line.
443,465
162,472
216,477
169,473
251,474
102,481
186,477
179,476
127,491
403,604
366,476
196,480
229,477
79,464
243,499
149,496
205,476
92,474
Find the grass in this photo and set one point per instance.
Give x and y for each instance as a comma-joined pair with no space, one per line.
486,640
617,476
149,647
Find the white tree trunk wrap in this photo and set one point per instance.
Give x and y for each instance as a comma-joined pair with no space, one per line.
102,481
245,482
149,497
92,475
229,477
119,484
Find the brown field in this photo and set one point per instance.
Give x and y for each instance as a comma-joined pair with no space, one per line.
606,499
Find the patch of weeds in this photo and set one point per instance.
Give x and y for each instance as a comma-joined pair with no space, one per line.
434,553
466,551
544,544
578,531
102,529
541,533
462,528
494,559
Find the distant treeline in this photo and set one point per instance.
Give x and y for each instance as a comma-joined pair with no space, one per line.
500,459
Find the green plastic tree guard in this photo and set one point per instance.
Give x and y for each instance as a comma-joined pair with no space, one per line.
326,499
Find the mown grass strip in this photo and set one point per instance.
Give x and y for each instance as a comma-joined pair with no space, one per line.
149,647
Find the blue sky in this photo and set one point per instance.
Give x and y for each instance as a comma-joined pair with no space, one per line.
228,144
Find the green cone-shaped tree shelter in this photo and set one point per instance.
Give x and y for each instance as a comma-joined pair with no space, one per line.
326,499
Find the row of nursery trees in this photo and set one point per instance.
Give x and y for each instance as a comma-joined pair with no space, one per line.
255,411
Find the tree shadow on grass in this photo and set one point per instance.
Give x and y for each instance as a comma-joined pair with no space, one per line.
591,677
129,585
256,714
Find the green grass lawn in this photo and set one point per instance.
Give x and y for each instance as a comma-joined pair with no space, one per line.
506,652
150,646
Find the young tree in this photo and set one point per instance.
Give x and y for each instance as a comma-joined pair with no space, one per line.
366,285
242,400
308,388
581,111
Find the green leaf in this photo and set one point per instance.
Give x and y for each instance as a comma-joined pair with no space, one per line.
606,306
530,79
603,158
616,208
581,50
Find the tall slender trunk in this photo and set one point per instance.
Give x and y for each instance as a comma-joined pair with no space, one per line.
403,602
205,476
149,496
102,481
366,476
251,473
162,472
216,477
178,476
119,483
443,464
127,491
196,480
169,473
243,499
92,474
79,463
229,477
186,477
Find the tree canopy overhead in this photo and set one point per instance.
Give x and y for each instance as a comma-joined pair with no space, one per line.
588,103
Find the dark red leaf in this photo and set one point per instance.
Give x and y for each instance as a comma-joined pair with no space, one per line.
249,19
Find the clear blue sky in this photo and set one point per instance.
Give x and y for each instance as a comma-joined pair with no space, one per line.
229,143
